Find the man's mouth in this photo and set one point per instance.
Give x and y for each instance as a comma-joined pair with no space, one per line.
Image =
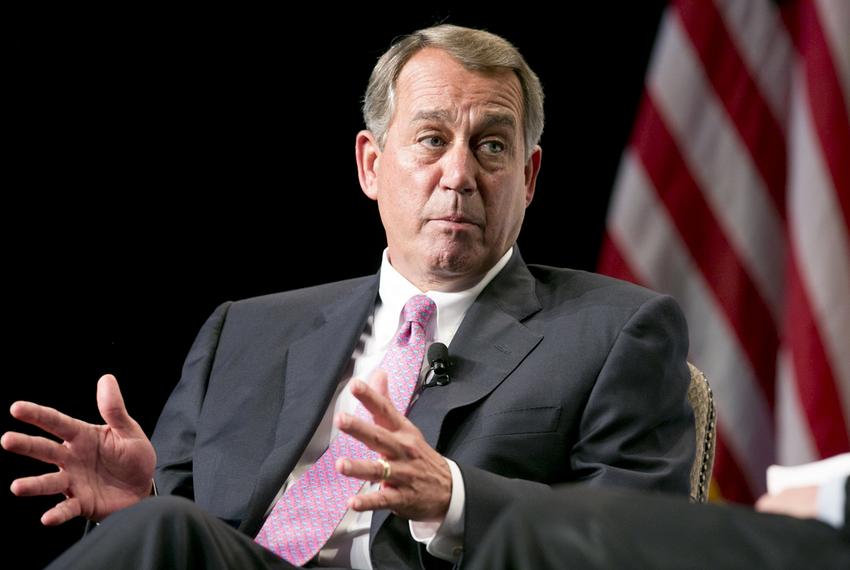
456,219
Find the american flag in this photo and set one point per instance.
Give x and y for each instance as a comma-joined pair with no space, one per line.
733,195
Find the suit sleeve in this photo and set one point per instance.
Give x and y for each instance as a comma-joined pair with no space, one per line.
174,435
637,428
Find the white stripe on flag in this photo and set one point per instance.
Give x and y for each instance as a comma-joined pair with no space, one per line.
794,443
835,17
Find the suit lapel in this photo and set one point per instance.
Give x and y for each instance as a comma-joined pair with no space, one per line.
313,367
489,344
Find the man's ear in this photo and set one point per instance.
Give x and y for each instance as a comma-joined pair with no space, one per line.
368,160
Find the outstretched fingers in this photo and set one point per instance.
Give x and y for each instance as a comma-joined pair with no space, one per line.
50,420
379,405
48,484
387,498
374,436
370,470
63,512
36,447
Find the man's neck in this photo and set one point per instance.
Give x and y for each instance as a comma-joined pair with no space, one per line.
450,283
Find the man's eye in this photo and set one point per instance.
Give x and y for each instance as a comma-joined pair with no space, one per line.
432,141
493,147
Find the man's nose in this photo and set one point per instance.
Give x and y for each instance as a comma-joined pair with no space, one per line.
460,169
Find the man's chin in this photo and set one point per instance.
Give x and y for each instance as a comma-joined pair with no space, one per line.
457,261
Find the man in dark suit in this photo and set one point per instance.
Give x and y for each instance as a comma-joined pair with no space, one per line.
554,375
577,527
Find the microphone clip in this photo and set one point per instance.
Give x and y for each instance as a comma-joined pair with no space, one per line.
438,360
439,374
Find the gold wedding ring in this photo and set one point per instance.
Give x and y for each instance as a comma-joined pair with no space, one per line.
387,469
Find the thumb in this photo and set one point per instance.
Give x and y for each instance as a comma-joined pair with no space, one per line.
110,404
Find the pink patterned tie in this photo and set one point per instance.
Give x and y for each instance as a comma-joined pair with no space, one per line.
306,515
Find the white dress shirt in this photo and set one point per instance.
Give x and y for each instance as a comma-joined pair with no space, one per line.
831,498
349,544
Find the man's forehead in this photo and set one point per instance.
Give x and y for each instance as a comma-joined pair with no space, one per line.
434,86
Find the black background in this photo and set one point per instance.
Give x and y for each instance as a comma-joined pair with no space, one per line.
161,163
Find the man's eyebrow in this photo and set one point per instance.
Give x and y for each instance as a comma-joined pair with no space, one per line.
498,120
488,120
441,115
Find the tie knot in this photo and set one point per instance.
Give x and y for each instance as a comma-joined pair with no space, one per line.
419,309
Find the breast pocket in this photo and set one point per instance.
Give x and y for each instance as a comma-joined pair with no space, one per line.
543,419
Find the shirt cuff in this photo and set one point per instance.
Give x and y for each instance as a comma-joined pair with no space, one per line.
831,497
444,539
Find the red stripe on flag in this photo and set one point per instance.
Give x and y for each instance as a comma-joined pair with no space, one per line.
744,308
729,477
816,384
741,97
612,262
824,91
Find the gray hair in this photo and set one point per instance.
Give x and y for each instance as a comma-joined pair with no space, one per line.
476,50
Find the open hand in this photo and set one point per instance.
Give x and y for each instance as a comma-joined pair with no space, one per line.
102,468
419,486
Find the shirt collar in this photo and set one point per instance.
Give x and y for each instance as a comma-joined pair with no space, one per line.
394,290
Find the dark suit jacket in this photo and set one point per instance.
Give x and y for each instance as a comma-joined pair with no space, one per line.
558,376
